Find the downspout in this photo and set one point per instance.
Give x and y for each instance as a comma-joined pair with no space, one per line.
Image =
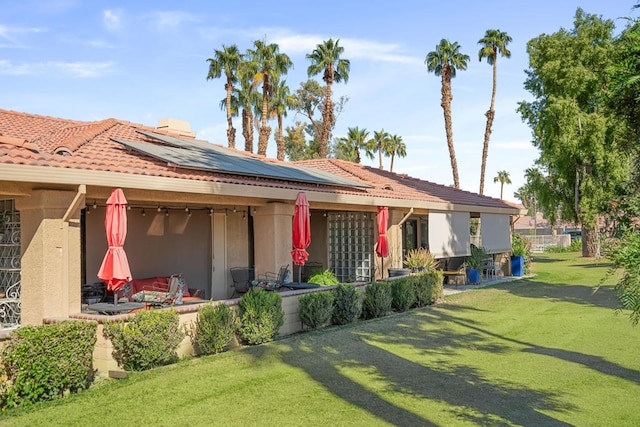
78,200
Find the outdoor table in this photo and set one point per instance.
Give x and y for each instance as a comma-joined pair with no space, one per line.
109,308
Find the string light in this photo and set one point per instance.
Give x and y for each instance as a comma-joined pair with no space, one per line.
95,205
166,213
143,212
159,210
234,209
210,211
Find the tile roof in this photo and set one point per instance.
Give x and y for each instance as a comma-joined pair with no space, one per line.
28,139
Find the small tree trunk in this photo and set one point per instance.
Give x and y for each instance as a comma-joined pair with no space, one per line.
590,247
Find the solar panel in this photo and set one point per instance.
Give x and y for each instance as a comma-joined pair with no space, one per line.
191,154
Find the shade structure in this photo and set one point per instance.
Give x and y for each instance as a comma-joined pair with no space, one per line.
382,248
301,232
115,270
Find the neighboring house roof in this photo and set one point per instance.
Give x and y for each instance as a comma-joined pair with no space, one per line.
48,142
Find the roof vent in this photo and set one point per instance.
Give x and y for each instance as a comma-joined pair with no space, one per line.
175,126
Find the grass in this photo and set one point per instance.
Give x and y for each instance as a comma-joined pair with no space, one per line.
539,351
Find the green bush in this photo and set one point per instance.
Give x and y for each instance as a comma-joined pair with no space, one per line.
323,278
347,304
43,362
148,339
315,309
213,329
576,246
377,300
555,249
261,316
428,287
403,295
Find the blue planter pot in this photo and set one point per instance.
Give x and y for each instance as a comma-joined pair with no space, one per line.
474,275
517,265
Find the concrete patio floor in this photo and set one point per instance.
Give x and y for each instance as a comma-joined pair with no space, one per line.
454,289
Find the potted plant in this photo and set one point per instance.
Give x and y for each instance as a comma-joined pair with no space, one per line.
519,254
475,263
419,259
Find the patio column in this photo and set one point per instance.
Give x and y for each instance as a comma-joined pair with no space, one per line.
51,265
394,238
272,237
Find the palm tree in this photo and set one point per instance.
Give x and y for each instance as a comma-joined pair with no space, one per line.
381,139
325,59
226,61
493,43
246,98
279,105
444,61
503,178
396,148
270,64
356,140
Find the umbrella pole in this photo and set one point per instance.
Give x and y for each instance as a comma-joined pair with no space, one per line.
300,273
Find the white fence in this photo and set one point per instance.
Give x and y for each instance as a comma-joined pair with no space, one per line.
540,243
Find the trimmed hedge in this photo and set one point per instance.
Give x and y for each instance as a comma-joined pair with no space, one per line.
403,295
315,309
347,304
148,339
428,287
44,362
377,300
213,329
261,316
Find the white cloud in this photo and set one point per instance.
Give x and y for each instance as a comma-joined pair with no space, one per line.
73,69
8,35
171,19
112,19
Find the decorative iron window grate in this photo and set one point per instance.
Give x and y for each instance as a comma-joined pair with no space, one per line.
9,265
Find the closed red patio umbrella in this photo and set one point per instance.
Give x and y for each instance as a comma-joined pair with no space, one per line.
115,270
382,248
301,233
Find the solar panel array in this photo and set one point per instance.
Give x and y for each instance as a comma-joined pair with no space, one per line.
200,155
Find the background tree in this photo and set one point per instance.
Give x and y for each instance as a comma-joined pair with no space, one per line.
381,140
396,148
308,100
503,178
325,59
295,145
493,43
226,61
444,62
279,106
581,144
270,64
246,98
348,148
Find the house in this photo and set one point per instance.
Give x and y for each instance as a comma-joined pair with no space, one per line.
200,209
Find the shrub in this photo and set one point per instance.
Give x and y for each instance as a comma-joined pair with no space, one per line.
418,259
428,287
347,304
403,295
377,300
315,309
576,245
148,339
213,329
261,316
323,278
43,362
556,249
522,247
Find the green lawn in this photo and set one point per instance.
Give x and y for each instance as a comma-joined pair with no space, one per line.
540,351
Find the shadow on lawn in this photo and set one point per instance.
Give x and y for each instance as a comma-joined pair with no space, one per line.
578,294
472,397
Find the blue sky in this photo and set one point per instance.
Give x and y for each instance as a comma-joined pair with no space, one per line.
142,61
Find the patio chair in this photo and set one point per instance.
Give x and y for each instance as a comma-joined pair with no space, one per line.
491,268
160,293
454,271
242,277
272,281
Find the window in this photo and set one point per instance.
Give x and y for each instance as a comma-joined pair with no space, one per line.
351,246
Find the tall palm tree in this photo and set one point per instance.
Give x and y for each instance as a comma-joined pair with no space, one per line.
493,43
226,61
444,61
279,105
381,139
270,64
325,59
396,148
246,98
503,178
